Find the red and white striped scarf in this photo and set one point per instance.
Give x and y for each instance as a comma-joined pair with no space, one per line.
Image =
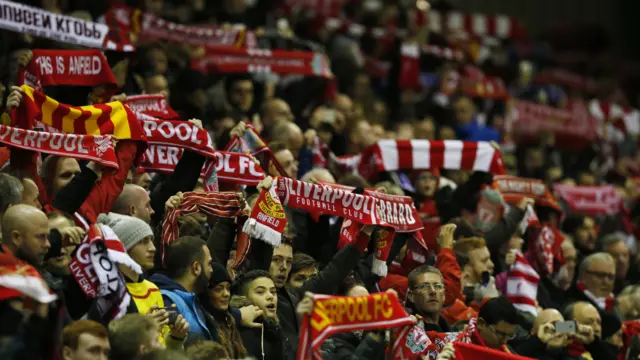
591,200
394,155
94,267
522,285
619,121
221,204
18,278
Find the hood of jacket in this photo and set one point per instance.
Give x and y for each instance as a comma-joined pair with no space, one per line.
163,282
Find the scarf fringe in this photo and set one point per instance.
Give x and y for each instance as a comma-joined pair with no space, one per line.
259,231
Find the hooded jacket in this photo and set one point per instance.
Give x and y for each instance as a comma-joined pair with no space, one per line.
188,305
266,343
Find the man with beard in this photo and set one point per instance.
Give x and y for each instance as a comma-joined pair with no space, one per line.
583,231
552,288
188,271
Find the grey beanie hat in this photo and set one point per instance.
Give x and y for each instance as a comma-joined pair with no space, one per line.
130,230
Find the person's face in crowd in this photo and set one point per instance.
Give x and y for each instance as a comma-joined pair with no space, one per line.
60,265
628,306
143,253
404,132
33,240
587,179
281,264
120,70
587,314
301,277
563,278
344,105
143,180
362,135
242,94
425,129
585,235
496,336
142,206
464,110
358,290
550,316
219,296
158,60
263,294
534,160
479,262
427,183
277,110
295,139
156,84
599,278
89,347
288,162
203,271
447,133
621,254
428,293
515,243
554,174
66,169
31,194
378,131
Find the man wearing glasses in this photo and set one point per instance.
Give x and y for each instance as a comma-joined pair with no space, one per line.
426,293
497,323
596,279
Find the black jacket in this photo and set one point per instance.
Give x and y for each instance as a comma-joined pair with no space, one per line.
549,296
266,343
352,346
326,282
532,347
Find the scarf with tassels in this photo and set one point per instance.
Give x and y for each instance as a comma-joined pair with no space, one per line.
222,204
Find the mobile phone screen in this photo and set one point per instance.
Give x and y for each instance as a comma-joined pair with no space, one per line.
566,327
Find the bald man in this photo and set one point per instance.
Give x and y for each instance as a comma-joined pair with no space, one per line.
25,231
289,134
544,342
134,201
275,111
320,175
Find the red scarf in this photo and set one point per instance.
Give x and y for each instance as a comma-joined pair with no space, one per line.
154,105
69,67
94,148
522,285
514,188
546,250
148,27
18,278
412,342
284,62
431,220
94,267
591,200
224,204
336,314
253,143
472,352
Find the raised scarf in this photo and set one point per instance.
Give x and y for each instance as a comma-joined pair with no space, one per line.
94,148
169,138
253,143
18,278
336,314
591,200
394,155
522,285
94,267
412,342
69,67
545,248
228,59
154,105
221,204
61,28
148,27
514,188
113,118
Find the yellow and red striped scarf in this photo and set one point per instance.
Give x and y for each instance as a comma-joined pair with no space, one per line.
113,118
